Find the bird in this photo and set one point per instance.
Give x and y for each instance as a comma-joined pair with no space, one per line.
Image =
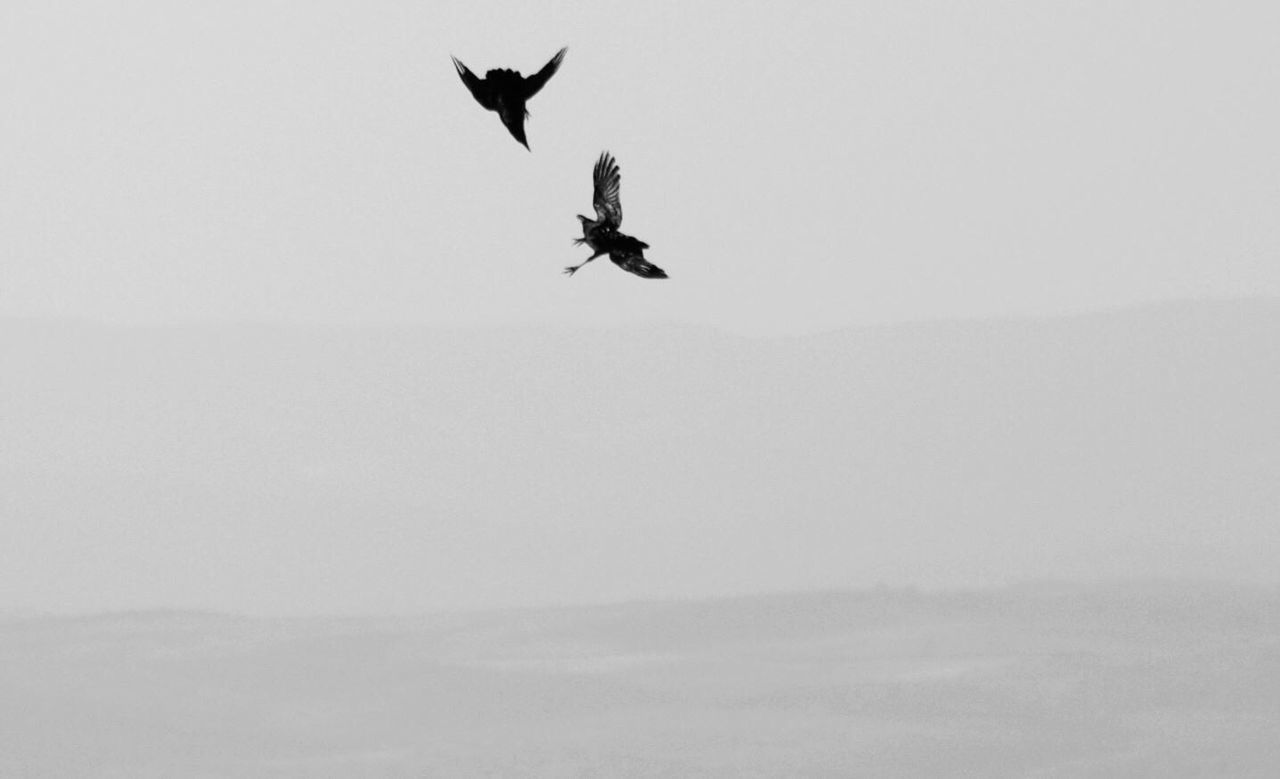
602,234
507,92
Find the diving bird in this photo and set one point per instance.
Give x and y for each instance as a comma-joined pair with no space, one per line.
601,233
507,92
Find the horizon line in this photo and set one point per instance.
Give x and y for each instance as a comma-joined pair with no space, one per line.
206,323
913,591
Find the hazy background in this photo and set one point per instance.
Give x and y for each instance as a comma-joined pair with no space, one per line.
284,470
284,326
950,445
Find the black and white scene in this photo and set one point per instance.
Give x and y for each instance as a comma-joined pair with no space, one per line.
920,418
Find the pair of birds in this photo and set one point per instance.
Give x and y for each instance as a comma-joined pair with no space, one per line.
508,93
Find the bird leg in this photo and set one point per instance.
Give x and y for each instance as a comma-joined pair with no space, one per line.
572,269
597,253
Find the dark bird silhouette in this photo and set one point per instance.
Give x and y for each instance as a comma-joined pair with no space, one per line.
507,92
601,233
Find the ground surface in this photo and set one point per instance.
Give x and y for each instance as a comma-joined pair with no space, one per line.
1152,680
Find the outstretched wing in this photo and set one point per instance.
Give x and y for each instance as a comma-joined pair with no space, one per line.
632,262
608,181
474,84
538,80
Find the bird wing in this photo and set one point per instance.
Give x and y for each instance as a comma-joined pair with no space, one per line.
608,185
632,262
474,84
624,242
538,80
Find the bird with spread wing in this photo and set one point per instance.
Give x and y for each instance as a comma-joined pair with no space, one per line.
507,92
601,233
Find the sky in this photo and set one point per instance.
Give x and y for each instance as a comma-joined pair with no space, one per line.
795,168
194,171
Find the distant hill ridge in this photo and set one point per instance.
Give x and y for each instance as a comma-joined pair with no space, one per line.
299,469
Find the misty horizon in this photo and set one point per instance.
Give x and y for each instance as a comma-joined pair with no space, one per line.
374,324
427,467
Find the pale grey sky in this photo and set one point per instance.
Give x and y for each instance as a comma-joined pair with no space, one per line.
794,167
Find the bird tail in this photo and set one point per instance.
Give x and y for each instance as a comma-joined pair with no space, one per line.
634,263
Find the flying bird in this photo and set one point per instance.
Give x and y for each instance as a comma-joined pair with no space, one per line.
601,233
507,92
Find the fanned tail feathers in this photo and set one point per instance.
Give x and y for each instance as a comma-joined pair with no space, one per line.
634,263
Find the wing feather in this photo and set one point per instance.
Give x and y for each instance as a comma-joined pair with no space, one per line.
473,84
538,80
608,186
